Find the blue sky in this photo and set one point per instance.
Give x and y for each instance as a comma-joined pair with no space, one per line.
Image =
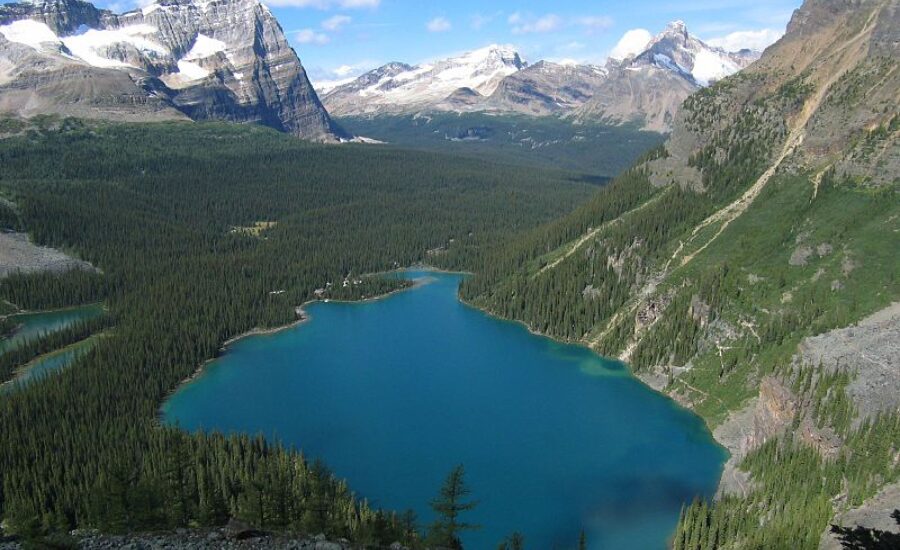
337,39
341,38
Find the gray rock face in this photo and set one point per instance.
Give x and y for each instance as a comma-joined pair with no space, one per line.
218,59
649,96
19,255
548,88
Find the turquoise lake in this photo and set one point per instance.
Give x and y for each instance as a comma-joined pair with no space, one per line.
393,393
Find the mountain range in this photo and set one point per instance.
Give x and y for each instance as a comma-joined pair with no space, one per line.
230,60
173,59
645,87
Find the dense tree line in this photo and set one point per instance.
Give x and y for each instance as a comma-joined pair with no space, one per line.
42,291
158,209
599,150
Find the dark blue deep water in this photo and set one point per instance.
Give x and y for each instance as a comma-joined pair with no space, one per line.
392,394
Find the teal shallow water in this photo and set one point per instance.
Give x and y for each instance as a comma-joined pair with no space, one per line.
392,394
48,364
32,325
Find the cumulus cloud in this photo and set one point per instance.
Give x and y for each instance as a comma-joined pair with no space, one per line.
335,23
325,4
527,24
632,43
753,40
311,36
439,24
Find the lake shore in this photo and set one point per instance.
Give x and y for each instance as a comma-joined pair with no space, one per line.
647,379
302,317
365,381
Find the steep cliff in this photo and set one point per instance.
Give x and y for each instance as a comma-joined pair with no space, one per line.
220,60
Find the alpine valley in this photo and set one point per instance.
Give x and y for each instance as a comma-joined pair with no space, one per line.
653,303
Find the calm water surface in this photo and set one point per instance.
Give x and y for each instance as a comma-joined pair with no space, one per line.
32,325
392,394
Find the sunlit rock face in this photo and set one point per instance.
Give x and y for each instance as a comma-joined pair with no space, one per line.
219,59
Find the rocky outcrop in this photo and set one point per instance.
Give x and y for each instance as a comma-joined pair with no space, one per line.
228,537
175,59
870,352
19,255
876,513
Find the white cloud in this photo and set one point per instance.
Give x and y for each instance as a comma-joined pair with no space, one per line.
632,42
439,24
595,23
335,23
754,40
479,20
311,36
326,4
526,24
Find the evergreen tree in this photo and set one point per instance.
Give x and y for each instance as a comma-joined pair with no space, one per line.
449,505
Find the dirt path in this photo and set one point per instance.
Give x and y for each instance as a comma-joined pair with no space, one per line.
593,233
795,139
734,210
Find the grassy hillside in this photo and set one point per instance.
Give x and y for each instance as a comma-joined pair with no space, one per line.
593,149
203,232
770,216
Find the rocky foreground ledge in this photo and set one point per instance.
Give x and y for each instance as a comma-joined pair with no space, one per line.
235,536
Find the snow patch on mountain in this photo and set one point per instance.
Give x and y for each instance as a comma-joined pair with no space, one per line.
204,47
92,45
710,65
31,33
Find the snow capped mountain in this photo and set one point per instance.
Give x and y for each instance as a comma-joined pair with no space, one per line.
644,82
398,87
199,59
647,87
677,50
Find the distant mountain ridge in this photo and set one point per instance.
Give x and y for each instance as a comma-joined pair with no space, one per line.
173,59
646,88
399,88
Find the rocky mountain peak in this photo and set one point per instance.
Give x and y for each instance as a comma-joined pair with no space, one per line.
397,87
204,59
677,50
677,28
